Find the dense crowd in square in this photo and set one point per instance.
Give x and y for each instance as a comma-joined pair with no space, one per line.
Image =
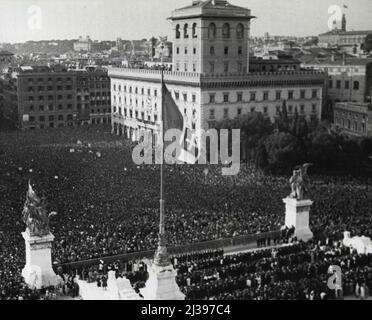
106,205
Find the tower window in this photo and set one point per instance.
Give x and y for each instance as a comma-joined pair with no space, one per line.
178,33
211,50
212,31
226,50
194,35
240,31
226,31
185,29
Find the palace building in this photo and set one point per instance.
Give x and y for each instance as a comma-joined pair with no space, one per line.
354,119
210,80
38,97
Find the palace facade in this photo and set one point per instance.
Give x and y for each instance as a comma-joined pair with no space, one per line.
210,80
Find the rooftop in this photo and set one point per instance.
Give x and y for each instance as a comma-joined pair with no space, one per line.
346,33
211,8
6,53
348,62
354,106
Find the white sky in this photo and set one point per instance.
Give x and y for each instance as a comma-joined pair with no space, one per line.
136,19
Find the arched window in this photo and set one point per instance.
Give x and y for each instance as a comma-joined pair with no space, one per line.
194,35
178,34
185,27
212,31
240,31
226,31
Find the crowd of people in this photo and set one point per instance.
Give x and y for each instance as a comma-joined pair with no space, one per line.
106,205
295,272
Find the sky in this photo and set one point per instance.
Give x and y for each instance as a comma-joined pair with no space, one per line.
23,20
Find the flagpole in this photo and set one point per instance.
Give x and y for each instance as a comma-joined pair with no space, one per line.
161,255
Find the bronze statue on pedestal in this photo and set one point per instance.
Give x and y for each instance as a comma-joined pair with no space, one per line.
35,215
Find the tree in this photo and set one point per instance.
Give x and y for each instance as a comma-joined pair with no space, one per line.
283,152
254,128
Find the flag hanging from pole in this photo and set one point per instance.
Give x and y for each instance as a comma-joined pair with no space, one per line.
173,119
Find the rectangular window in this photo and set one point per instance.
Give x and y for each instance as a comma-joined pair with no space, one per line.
194,50
212,98
226,50
211,113
314,94
193,98
226,67
278,95
290,95
240,67
330,84
240,50
338,84
266,95
185,97
253,96
239,111
211,66
303,92
265,110
239,97
177,95
225,97
302,108
347,85
313,107
225,113
253,109
356,85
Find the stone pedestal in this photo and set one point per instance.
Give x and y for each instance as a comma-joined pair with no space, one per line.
38,271
162,284
297,215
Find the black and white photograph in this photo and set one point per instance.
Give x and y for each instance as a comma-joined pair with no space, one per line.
199,151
